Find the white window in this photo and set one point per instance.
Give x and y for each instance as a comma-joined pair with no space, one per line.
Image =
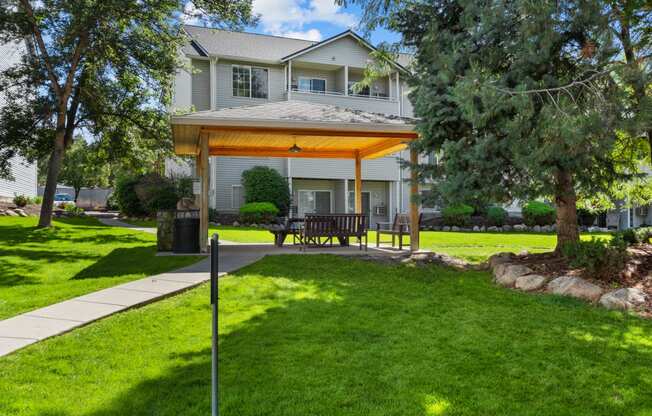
250,82
314,202
237,196
312,84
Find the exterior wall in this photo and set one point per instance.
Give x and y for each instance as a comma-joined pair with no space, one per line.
224,81
201,85
23,174
227,172
385,168
378,194
340,79
23,182
344,51
183,88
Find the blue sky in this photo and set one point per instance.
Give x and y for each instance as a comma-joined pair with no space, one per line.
310,19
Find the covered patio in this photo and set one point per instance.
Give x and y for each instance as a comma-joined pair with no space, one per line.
294,129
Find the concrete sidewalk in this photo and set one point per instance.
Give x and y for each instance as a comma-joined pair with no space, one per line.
31,327
114,222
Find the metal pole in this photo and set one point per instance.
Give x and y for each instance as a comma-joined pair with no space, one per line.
215,410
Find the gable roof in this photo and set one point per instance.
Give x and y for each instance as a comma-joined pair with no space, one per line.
206,42
344,34
240,45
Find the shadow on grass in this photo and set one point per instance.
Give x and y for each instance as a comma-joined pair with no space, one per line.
31,261
123,261
365,339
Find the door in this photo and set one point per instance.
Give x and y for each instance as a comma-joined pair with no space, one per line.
366,204
314,202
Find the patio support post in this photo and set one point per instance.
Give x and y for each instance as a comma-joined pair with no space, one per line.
414,202
358,183
203,207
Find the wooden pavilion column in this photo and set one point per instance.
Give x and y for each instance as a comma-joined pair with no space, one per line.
414,201
204,176
358,183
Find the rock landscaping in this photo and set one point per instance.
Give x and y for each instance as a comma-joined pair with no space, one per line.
550,273
507,228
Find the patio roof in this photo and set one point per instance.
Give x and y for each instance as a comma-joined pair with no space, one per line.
271,129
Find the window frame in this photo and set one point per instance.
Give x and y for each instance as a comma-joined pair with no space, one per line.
241,195
250,67
310,79
330,192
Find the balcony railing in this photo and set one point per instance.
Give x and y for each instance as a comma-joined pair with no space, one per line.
373,96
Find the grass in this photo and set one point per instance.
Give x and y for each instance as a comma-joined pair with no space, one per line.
323,335
471,246
39,267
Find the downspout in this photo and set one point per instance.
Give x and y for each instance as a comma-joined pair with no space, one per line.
290,214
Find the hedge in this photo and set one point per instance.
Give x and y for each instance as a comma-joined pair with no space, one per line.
258,213
538,213
457,214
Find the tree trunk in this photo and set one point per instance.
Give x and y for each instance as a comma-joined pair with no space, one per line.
566,202
77,190
54,166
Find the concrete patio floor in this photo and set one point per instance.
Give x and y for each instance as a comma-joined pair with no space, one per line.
37,325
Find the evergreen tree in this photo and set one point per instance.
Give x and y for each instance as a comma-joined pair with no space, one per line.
523,99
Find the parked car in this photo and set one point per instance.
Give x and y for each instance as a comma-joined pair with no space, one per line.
61,200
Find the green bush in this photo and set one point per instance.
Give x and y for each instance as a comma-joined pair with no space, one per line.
112,202
538,213
457,214
496,216
21,201
600,259
127,199
636,235
263,184
585,217
73,210
258,212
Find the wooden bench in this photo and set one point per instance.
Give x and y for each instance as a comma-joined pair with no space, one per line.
398,228
321,229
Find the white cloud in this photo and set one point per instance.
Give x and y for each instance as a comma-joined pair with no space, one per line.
289,17
310,34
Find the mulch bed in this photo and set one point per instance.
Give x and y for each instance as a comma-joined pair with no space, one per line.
636,273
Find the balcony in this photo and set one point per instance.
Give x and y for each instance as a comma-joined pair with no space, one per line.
331,84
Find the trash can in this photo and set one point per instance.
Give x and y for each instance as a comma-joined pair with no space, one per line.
186,232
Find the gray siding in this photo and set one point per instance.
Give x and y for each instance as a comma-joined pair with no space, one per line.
24,180
383,169
224,80
344,51
228,172
201,85
23,174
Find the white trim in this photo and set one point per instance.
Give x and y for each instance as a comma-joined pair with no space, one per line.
213,83
346,80
233,195
250,67
330,192
399,96
289,80
346,196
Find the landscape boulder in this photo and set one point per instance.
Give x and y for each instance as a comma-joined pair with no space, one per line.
506,274
507,227
455,228
575,287
520,227
530,282
624,299
20,212
500,258
445,228
11,213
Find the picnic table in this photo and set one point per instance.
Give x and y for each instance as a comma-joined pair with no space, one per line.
292,226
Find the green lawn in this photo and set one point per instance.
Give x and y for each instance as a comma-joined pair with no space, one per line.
471,246
322,335
39,267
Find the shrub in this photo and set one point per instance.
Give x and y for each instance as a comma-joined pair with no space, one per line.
538,213
457,214
21,201
600,259
127,199
112,202
213,215
496,216
258,212
263,184
73,210
636,235
585,217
